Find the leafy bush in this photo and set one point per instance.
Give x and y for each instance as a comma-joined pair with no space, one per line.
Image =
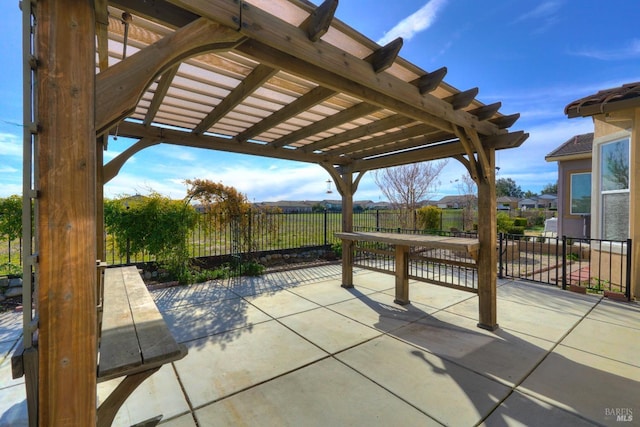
429,217
516,230
520,222
504,222
155,224
337,249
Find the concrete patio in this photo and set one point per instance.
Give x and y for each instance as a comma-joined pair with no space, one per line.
294,348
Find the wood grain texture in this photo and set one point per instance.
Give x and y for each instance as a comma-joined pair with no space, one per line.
66,227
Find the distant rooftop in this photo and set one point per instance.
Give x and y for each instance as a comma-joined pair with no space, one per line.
577,146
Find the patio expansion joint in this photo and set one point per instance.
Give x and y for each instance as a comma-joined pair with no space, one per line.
516,386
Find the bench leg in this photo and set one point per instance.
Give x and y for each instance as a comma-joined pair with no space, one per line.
30,363
110,407
402,275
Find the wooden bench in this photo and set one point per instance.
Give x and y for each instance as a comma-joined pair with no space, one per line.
403,243
134,341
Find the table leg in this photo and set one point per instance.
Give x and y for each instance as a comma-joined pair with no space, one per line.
402,275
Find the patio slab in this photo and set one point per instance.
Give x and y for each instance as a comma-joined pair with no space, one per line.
329,330
504,356
219,365
449,393
527,411
295,348
310,397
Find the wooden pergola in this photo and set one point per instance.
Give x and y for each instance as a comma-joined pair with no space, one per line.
273,78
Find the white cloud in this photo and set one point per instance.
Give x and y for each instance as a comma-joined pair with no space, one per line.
631,50
10,145
542,11
415,23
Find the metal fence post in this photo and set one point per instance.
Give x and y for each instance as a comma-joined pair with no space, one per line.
564,262
500,268
627,291
326,240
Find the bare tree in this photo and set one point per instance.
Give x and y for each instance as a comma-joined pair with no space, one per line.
468,189
408,185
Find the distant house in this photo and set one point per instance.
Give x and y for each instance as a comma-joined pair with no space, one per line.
574,185
545,201
286,206
456,202
507,203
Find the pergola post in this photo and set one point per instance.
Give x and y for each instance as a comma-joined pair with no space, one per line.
66,184
346,190
487,256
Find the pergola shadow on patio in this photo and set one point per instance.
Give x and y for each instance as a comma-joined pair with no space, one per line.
297,349
273,78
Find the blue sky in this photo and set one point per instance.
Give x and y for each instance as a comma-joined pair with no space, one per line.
533,56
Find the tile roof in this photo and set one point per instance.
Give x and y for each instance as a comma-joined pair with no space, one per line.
607,100
578,144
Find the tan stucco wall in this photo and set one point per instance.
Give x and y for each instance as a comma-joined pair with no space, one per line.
605,126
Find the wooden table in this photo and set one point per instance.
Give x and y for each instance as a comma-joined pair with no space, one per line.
402,243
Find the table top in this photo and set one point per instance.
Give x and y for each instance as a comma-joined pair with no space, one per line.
442,242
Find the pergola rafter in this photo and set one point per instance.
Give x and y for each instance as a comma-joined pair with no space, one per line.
273,78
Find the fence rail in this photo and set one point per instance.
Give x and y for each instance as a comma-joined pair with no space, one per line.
593,264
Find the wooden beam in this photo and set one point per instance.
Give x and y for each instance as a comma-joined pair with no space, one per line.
422,154
431,81
486,111
344,116
159,11
368,129
384,57
66,213
342,83
284,46
436,151
408,144
311,98
470,153
253,81
161,91
119,88
102,34
136,130
461,99
318,23
383,140
481,157
504,122
112,168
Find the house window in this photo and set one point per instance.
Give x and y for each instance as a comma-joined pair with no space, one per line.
581,193
614,189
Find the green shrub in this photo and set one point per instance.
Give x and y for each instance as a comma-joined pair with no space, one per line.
429,217
520,222
337,249
504,222
516,230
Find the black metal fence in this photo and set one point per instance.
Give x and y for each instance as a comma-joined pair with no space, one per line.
593,265
450,268
267,231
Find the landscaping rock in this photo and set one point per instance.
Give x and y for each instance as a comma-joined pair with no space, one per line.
13,292
16,282
4,282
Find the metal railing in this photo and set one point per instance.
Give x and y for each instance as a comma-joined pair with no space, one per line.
268,231
595,265
443,267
